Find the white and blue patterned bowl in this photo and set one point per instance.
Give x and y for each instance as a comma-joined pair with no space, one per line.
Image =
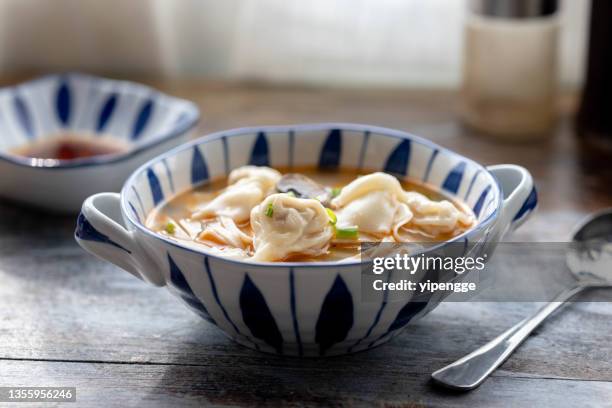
300,309
150,121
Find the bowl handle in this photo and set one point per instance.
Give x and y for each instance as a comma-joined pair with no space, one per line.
520,195
100,231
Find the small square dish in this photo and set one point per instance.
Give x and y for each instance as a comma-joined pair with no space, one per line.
64,137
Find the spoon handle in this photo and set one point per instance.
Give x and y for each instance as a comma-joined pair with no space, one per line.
470,371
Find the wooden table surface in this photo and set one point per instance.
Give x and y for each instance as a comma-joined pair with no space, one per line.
68,319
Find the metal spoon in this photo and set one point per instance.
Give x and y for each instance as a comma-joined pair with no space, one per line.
588,265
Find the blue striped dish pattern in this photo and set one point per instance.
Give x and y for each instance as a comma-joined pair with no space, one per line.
76,102
298,308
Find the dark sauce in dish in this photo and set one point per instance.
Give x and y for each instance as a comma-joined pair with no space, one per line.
71,147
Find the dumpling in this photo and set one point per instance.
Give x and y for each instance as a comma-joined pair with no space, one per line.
223,232
248,186
377,204
266,177
375,213
435,217
373,203
284,226
365,184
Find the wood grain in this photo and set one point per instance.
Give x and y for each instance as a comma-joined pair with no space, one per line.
67,318
151,385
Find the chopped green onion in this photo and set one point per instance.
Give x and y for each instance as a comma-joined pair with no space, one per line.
170,228
291,193
269,210
335,192
347,233
332,216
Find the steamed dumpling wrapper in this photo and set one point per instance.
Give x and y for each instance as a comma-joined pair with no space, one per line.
435,217
365,184
224,232
267,177
377,204
373,203
248,186
284,226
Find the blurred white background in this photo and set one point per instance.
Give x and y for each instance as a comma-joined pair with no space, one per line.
408,43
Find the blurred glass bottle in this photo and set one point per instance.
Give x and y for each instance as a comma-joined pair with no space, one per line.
510,68
594,120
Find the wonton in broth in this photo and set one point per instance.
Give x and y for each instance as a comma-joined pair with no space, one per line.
259,214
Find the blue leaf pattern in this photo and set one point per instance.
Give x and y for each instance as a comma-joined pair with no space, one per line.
336,316
62,102
257,316
178,282
87,232
199,170
405,315
142,119
329,158
259,154
156,190
529,205
398,160
453,180
106,112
